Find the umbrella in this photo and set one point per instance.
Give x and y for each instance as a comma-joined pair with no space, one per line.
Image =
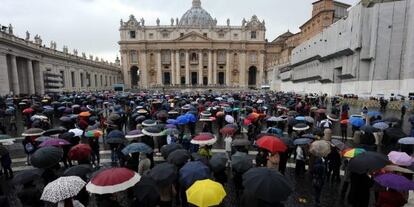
381,125
369,129
352,152
205,193
54,142
178,157
28,111
191,117
94,133
40,117
146,191
229,119
300,118
80,152
137,147
271,143
392,135
85,114
182,120
112,180
167,149
115,137
76,132
300,127
228,131
134,134
193,171
241,162
396,168
27,176
309,119
357,121
33,132
46,157
320,148
275,119
394,181
172,121
163,174
400,158
338,144
204,139
79,170
65,119
67,136
42,138
62,188
406,141
218,162
54,131
302,141
367,162
153,131
149,123
267,184
332,117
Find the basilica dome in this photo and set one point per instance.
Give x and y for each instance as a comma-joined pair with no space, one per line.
196,16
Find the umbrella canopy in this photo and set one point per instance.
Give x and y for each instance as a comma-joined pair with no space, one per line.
309,119
134,134
275,119
112,180
193,171
400,158
381,126
229,119
46,157
153,131
218,162
183,120
28,111
146,191
369,129
357,121
54,142
267,184
42,138
302,141
179,157
204,139
167,149
367,162
163,174
137,147
241,162
228,131
394,181
80,152
406,141
205,193
240,142
62,188
149,123
94,133
27,176
338,144
271,143
301,127
76,132
396,168
320,148
33,132
54,131
85,114
352,152
78,170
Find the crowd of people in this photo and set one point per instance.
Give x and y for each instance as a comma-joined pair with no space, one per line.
164,150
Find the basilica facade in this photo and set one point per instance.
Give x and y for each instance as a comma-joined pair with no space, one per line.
194,51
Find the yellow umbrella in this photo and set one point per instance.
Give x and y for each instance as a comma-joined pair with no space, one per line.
205,193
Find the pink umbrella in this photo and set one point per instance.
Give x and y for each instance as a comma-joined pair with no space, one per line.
400,158
54,142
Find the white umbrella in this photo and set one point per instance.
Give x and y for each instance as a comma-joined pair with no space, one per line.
229,119
41,117
77,132
62,188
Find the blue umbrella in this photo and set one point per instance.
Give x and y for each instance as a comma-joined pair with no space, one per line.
300,118
193,171
374,113
357,122
182,120
172,121
61,108
191,117
406,141
115,134
302,141
137,147
381,125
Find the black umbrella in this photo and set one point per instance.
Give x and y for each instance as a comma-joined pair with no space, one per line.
392,135
241,162
153,131
340,145
369,129
27,176
146,192
67,136
54,131
79,170
267,185
240,142
218,162
46,157
368,162
167,149
179,157
164,174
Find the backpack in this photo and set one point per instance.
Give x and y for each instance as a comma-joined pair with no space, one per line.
29,147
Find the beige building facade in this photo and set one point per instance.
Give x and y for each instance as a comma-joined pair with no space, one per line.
193,51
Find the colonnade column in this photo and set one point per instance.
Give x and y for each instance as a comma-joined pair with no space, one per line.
210,67
177,68
159,68
242,65
200,68
228,71
187,68
4,75
215,67
15,75
172,68
30,77
144,68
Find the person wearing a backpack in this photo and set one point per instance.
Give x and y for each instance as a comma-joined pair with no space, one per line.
29,148
318,178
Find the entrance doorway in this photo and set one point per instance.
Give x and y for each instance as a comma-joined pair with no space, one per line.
167,78
134,76
252,76
193,78
221,78
205,80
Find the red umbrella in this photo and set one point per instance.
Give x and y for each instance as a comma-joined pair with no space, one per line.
204,139
228,131
247,122
272,143
28,111
112,180
80,152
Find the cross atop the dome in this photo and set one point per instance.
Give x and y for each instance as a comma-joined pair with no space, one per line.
196,3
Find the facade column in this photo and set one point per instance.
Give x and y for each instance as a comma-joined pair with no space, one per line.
38,76
210,67
15,75
200,68
178,67
215,67
187,68
159,68
4,75
144,68
126,73
30,77
242,65
228,68
260,82
172,68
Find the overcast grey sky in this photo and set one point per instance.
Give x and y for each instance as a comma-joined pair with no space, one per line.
91,26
